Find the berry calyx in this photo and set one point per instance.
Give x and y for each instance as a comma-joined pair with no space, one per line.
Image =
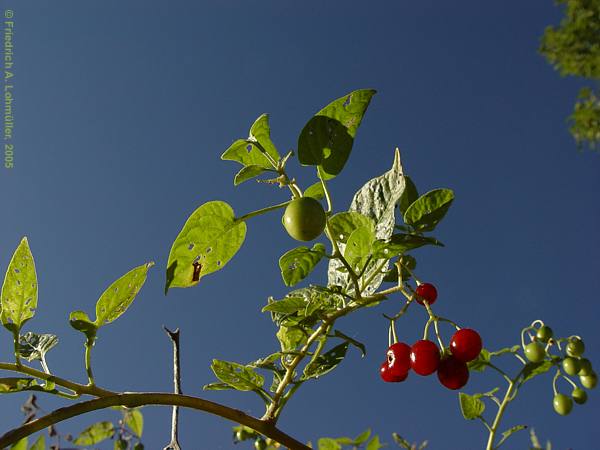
571,366
386,374
427,292
304,219
589,381
535,352
575,347
398,359
466,345
424,357
562,404
544,334
579,396
453,373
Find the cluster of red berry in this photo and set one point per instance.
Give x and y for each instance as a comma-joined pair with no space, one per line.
424,356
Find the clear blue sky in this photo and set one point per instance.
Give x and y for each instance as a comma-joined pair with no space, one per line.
122,110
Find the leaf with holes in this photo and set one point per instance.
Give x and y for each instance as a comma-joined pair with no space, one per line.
343,224
471,406
377,200
20,289
242,378
326,140
95,434
134,420
326,362
34,346
115,300
209,239
299,262
429,209
248,151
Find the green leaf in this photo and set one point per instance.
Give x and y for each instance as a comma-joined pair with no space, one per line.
506,434
209,239
358,248
481,362
95,434
400,243
503,351
115,300
35,346
326,362
120,444
532,369
298,263
409,195
376,200
20,289
81,322
357,344
362,437
429,209
242,378
247,173
135,421
374,444
315,191
470,406
290,338
217,387
138,446
39,444
21,445
343,224
327,139
247,153
401,441
329,444
288,305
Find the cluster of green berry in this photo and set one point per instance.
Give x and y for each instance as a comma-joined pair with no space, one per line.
570,360
424,357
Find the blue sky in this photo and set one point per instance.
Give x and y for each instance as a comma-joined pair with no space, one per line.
122,110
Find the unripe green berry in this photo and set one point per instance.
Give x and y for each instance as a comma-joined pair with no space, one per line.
575,347
544,334
579,396
535,352
562,404
589,381
585,367
571,365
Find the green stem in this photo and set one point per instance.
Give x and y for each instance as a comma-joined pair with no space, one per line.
258,212
136,399
496,424
325,191
89,343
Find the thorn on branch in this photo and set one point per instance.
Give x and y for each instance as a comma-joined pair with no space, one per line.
174,336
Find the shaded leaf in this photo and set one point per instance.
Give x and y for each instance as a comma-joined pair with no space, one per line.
81,322
95,434
326,362
209,239
288,305
134,419
362,437
400,243
429,209
20,289
532,369
327,139
343,224
298,263
315,191
247,173
115,300
359,345
481,362
18,384
409,195
506,434
242,378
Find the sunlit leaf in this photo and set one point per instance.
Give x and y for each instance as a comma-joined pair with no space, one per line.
247,153
429,209
95,434
471,406
298,263
240,377
134,419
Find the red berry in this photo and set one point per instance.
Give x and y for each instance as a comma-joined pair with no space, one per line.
388,376
466,345
453,373
398,358
424,357
427,292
